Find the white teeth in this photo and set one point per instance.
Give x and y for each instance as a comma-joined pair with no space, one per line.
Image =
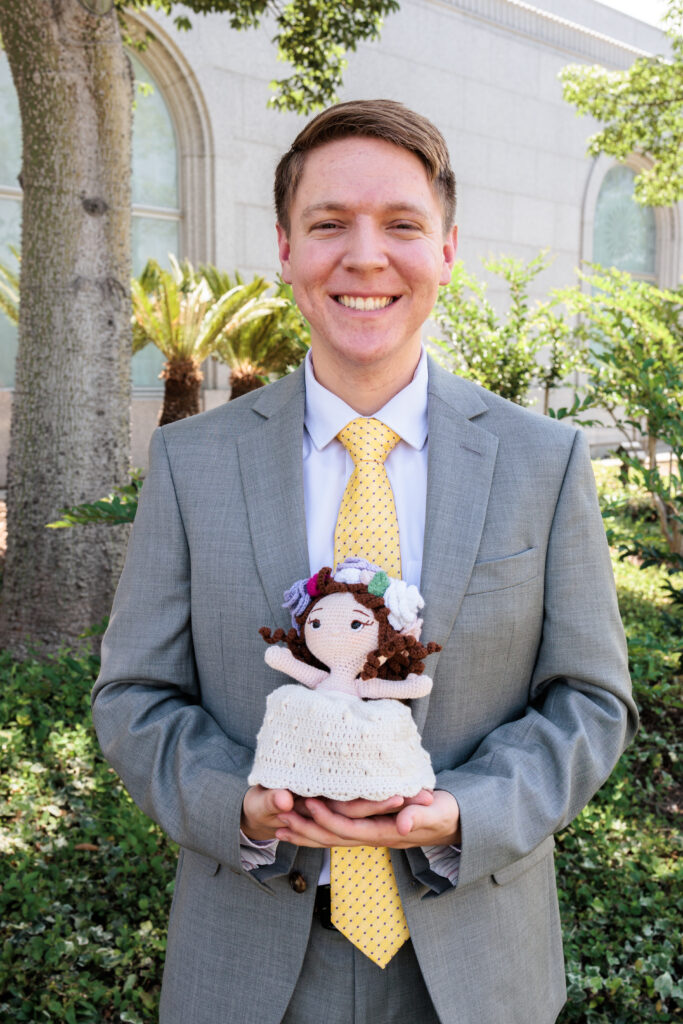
371,302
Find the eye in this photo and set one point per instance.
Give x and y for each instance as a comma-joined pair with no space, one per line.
357,624
315,623
405,226
325,226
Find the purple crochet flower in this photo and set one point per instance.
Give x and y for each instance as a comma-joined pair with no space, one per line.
297,598
353,562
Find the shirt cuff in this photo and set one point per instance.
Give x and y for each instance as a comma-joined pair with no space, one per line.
444,861
256,853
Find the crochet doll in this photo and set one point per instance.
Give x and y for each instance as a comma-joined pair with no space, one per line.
354,644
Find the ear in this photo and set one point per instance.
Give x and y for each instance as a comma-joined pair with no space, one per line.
450,247
284,252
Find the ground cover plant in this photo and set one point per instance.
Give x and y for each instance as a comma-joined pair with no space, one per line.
86,879
619,878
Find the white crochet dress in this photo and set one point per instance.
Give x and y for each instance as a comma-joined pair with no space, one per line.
333,744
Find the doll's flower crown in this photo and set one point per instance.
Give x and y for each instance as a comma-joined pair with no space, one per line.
402,599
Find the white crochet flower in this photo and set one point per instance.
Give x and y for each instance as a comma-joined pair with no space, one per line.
348,575
404,602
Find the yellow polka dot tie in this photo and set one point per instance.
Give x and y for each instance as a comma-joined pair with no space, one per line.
365,902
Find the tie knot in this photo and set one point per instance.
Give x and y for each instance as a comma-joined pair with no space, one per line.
368,440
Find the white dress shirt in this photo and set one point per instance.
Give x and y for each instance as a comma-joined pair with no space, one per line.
327,467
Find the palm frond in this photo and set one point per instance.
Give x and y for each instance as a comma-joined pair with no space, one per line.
191,314
219,281
9,289
230,310
168,309
269,345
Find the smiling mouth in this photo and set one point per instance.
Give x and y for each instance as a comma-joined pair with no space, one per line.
369,302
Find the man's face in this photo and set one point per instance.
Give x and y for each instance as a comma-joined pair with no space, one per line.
365,254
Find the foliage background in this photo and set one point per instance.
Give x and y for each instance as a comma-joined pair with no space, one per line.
640,110
86,879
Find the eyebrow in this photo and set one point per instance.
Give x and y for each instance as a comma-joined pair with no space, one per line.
330,205
365,612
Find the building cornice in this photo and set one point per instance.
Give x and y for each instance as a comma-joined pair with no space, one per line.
550,29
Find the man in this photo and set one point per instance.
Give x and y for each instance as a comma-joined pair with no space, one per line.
499,524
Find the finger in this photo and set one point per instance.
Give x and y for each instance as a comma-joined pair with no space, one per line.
407,820
362,808
281,800
330,829
424,798
260,809
432,825
306,832
300,807
377,831
288,836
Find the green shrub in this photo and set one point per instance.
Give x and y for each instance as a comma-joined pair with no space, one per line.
118,507
529,344
85,877
618,875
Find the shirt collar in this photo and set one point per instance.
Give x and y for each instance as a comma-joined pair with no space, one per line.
406,413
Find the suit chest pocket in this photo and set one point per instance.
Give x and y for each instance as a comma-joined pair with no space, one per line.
504,573
496,633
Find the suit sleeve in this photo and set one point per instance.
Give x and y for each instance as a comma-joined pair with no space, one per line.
175,761
530,777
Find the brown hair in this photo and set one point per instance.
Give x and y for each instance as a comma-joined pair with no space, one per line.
377,119
403,653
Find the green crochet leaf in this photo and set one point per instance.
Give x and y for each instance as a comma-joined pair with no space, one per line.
379,584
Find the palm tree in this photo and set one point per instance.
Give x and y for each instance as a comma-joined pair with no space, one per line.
177,311
9,289
265,348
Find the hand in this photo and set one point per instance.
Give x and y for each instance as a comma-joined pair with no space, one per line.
428,819
279,658
261,810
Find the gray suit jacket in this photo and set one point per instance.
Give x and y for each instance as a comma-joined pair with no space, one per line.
529,711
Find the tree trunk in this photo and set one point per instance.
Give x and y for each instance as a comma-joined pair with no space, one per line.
70,416
181,390
243,381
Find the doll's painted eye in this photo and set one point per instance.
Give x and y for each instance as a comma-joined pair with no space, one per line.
315,623
357,624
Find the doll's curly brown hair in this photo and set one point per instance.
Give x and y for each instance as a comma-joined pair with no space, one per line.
397,654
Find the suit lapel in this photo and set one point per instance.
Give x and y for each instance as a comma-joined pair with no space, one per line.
462,457
271,469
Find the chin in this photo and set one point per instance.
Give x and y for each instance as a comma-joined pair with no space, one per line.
373,353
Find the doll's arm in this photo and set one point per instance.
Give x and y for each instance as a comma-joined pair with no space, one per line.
400,689
283,660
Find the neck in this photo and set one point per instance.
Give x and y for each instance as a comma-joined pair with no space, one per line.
365,388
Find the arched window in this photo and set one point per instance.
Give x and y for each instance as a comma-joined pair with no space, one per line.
156,207
10,207
624,232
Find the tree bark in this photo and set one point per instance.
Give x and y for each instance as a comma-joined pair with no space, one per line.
182,390
241,383
70,417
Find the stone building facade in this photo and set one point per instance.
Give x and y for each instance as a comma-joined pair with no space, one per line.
485,71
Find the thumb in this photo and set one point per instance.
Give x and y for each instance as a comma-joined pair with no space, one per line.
407,820
280,800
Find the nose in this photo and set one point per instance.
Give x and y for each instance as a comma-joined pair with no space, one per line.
366,249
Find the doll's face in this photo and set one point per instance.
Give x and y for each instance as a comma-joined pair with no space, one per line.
341,633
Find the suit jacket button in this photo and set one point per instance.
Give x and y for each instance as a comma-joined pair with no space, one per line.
298,882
